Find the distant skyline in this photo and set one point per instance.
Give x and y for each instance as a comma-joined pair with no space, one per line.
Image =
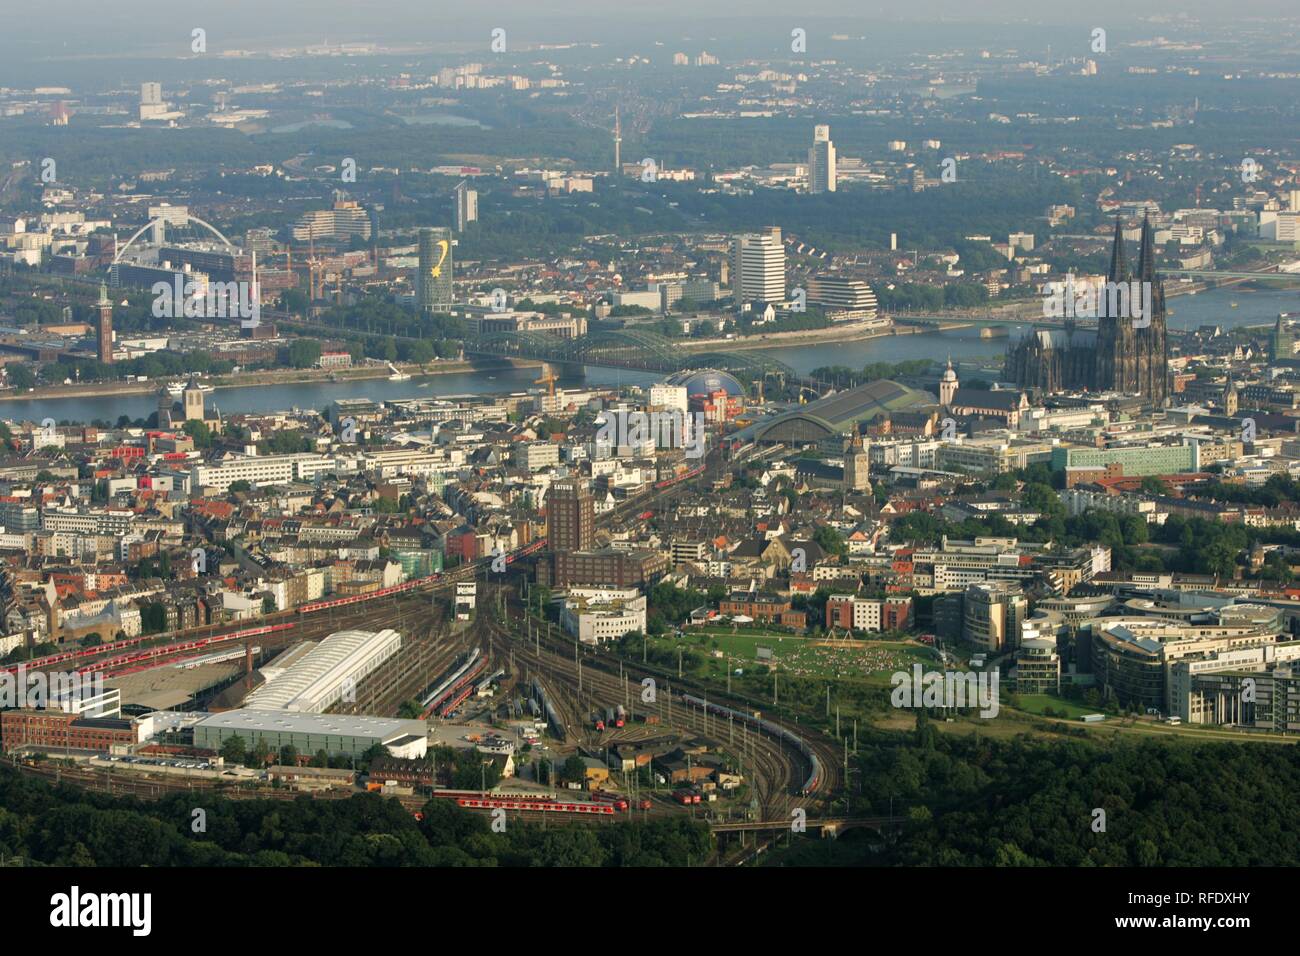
86,27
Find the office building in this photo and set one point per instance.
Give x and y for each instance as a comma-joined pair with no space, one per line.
837,292
992,616
151,101
669,398
433,287
758,267
466,205
570,517
821,162
344,220
597,619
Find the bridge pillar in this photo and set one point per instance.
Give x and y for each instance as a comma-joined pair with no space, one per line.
830,831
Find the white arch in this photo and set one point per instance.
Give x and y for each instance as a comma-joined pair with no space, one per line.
153,222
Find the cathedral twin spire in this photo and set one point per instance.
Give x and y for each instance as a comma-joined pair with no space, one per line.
1146,268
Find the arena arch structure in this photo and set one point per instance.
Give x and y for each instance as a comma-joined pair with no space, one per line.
161,225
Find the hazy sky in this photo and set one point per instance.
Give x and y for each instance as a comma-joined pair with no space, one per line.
77,27
93,44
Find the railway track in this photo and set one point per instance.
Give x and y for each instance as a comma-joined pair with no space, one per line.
426,651
775,770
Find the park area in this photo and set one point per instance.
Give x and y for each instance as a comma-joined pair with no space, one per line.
823,658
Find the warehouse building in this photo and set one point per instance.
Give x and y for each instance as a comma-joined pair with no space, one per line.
311,733
327,673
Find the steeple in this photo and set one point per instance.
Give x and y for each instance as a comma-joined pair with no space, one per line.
1147,252
1118,261
103,293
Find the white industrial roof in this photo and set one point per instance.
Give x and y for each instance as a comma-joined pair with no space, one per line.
383,728
321,670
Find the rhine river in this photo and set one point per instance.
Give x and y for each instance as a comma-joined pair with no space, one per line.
964,345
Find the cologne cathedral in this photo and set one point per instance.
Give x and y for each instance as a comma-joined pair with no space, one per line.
1120,355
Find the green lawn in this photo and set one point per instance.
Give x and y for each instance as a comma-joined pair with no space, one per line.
803,656
1036,703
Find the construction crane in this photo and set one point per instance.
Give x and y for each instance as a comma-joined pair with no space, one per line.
315,276
548,379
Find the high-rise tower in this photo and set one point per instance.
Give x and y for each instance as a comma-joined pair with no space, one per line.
618,144
105,325
570,517
433,286
821,162
758,267
466,205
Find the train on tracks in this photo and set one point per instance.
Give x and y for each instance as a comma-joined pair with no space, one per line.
684,476
167,650
451,693
474,800
547,707
164,650
814,778
312,607
330,603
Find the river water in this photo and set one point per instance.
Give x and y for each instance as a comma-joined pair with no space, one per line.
963,345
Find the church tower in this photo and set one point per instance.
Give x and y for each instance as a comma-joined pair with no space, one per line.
1152,366
192,401
1115,333
857,466
1231,398
948,384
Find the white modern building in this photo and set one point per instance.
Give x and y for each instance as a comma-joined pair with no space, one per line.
758,267
669,398
607,615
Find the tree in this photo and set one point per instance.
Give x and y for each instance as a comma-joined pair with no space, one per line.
830,540
260,756
289,755
1042,499
20,377
153,618
304,353
200,432
233,749
1151,485
240,485
573,770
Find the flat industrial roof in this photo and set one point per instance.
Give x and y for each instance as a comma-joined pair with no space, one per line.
345,725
